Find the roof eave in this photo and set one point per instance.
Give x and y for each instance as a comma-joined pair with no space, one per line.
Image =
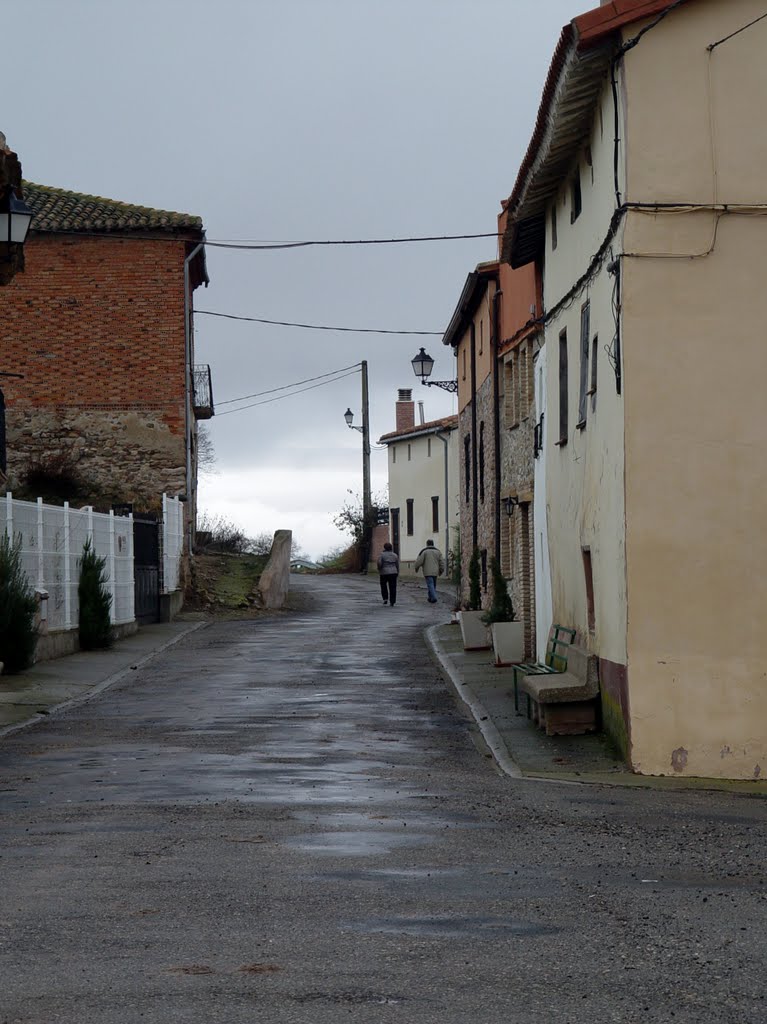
564,120
437,427
476,283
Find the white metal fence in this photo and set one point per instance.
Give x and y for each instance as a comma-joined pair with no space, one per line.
172,542
52,541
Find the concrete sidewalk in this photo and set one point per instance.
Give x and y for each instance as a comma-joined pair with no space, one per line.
24,698
523,751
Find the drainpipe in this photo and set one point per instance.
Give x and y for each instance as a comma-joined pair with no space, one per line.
192,505
494,347
474,482
445,439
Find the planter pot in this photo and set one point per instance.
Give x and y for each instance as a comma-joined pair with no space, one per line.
508,642
474,631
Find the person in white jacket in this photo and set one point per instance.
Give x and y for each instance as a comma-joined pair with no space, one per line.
433,564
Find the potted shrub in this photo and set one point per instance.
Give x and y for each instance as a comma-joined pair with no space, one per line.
473,629
95,627
18,633
507,631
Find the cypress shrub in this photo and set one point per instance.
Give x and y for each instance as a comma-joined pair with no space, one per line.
95,601
18,634
501,610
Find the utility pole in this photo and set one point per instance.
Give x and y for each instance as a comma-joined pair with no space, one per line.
367,504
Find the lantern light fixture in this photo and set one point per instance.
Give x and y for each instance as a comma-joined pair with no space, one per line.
423,364
15,218
509,503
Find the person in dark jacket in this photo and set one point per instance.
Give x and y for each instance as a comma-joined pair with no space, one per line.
388,569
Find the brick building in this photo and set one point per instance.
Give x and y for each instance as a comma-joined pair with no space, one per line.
108,405
472,334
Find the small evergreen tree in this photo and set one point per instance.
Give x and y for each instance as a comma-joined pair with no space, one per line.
18,634
501,610
95,601
475,593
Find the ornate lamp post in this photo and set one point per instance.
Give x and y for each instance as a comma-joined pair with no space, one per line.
423,364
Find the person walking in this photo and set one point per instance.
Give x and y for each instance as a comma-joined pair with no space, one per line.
433,564
388,569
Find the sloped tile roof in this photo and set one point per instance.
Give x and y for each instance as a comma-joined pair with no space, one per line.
432,427
56,209
580,63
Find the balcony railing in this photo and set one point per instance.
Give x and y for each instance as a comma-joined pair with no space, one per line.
202,399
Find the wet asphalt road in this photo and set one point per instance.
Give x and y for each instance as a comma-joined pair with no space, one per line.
290,820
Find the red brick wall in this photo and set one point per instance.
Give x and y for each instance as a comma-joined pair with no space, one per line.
96,325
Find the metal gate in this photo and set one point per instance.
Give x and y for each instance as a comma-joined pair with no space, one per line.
146,569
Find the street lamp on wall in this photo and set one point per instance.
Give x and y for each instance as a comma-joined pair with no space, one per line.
509,503
423,364
15,218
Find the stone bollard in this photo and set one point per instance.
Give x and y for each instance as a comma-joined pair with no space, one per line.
275,579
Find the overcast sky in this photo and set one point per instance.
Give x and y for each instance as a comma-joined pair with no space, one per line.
295,119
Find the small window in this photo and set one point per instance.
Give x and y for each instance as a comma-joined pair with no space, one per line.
508,392
575,197
593,387
428,447
481,467
435,514
467,466
563,429
584,381
589,579
409,452
464,363
481,335
409,516
394,453
554,226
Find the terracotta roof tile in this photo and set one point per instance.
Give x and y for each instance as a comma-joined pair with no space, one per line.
594,25
446,423
56,209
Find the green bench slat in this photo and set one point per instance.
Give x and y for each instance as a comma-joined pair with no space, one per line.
555,660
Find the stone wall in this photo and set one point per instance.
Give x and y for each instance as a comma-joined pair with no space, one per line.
111,455
486,496
518,418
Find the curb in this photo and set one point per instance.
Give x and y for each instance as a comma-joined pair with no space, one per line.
485,725
507,764
98,688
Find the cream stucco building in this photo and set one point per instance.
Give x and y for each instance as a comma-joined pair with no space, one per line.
643,197
423,482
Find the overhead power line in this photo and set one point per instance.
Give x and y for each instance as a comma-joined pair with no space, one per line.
348,241
260,246
277,398
285,387
313,327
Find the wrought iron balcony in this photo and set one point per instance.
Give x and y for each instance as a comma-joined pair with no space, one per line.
202,395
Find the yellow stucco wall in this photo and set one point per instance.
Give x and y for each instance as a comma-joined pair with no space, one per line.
695,357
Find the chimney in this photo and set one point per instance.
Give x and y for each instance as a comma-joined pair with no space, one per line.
421,416
405,409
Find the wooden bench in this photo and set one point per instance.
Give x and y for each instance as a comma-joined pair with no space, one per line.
560,638
565,703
